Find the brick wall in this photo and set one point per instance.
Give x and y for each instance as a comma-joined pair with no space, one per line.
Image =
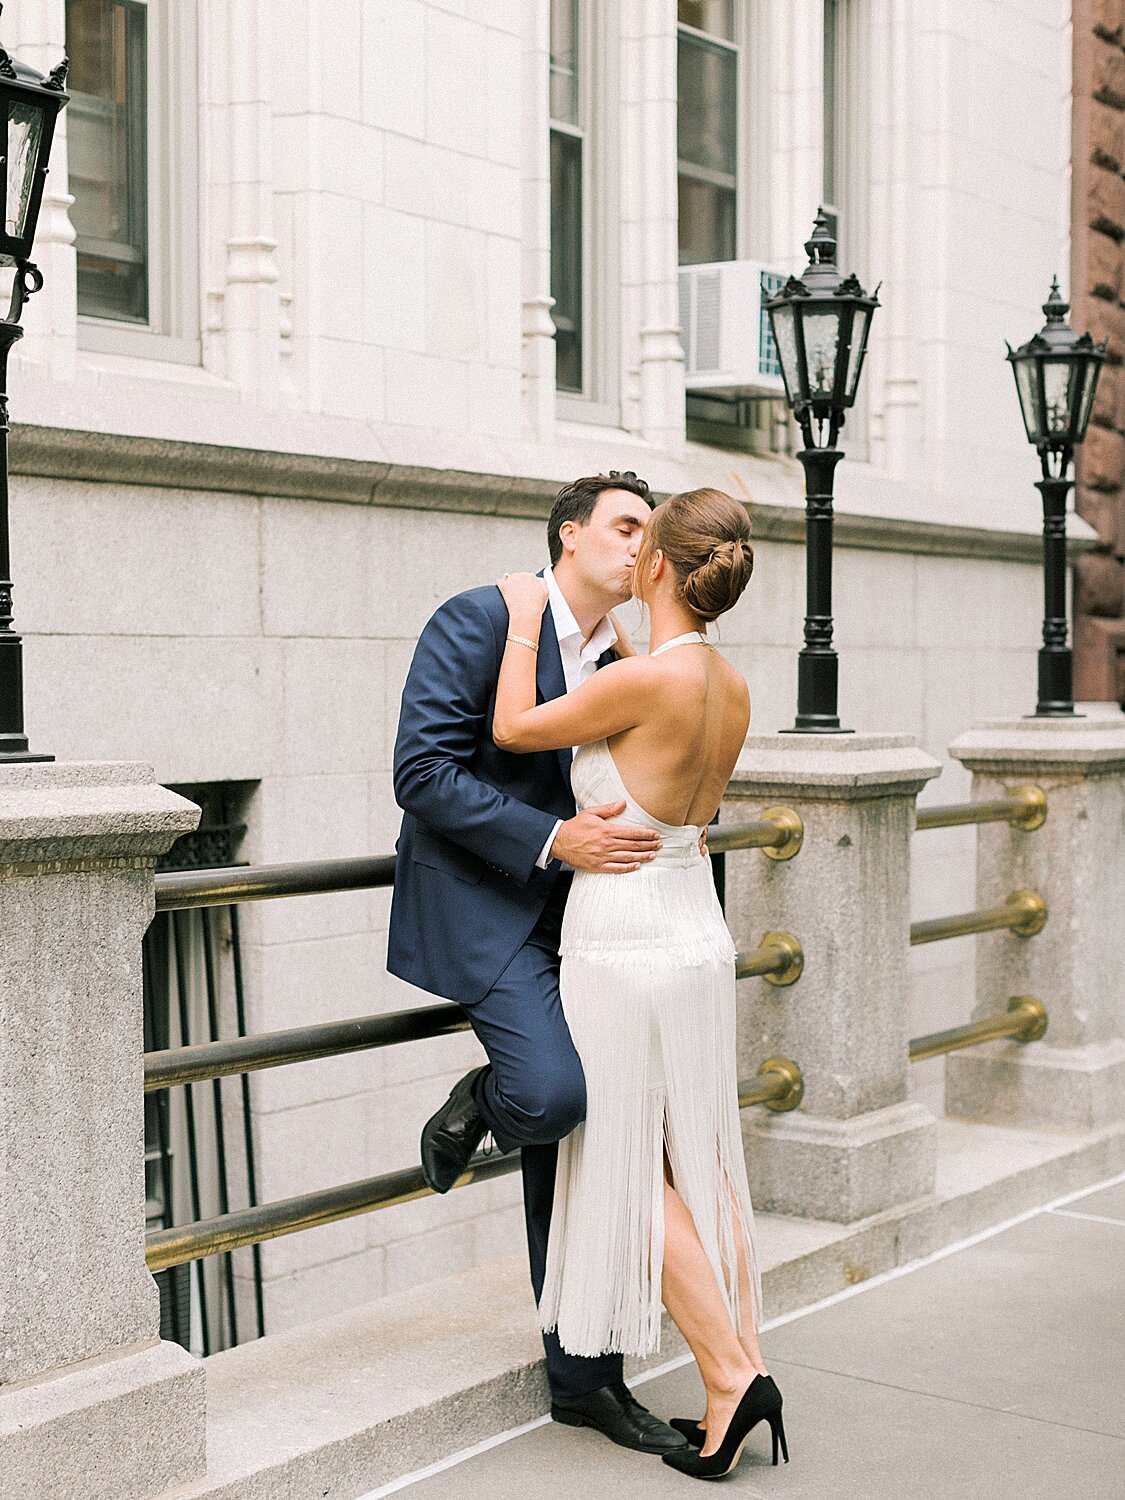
1098,288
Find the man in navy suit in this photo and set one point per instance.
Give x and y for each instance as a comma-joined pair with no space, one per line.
489,840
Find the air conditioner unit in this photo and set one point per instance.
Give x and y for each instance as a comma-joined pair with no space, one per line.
728,343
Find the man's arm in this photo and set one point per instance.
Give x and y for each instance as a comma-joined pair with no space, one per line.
444,704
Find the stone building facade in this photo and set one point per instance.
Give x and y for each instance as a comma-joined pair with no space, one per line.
1098,279
400,269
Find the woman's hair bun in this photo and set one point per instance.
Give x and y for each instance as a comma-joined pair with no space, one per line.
705,535
717,584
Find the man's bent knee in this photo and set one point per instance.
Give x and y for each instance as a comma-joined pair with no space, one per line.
549,1110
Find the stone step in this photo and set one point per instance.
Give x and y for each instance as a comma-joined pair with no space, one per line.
353,1402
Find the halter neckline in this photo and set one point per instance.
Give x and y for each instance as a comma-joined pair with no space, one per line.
689,638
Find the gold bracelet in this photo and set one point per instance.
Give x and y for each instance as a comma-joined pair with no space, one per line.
522,640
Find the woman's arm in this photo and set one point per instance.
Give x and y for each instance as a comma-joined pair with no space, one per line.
612,700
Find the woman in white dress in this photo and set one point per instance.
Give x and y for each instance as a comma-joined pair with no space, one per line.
651,1198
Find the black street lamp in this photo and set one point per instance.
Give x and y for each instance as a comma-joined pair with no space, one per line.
820,324
30,105
1056,376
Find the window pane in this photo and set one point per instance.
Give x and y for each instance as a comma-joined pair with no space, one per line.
705,116
107,146
566,258
707,222
25,131
715,16
564,61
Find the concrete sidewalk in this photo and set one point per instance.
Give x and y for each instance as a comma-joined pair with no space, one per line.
992,1371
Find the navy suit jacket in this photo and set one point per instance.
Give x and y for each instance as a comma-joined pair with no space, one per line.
467,888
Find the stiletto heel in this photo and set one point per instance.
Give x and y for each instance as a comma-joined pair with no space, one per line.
760,1401
777,1428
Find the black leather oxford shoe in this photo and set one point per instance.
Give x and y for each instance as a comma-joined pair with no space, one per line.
617,1414
450,1137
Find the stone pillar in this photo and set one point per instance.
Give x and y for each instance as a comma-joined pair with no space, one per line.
92,1404
1075,1077
856,1145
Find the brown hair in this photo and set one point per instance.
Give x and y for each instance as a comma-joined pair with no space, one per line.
576,502
705,535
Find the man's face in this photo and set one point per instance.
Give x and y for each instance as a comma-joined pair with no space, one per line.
605,549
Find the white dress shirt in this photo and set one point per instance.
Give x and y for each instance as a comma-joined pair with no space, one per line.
579,661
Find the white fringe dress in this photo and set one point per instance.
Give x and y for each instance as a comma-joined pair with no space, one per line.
648,990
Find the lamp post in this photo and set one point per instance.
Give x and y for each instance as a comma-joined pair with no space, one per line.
30,104
820,324
1056,376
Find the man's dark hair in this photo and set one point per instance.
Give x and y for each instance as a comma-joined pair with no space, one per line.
576,502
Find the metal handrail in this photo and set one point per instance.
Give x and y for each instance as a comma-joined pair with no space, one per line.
778,1087
778,833
1025,1020
311,877
778,959
1024,913
1025,807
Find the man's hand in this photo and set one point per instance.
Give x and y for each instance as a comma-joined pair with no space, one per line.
592,842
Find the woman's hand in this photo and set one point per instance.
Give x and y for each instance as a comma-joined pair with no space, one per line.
622,646
525,594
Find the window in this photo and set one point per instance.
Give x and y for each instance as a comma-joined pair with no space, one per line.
108,150
568,144
132,131
707,128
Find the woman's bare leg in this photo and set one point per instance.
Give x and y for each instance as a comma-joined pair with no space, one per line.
696,1305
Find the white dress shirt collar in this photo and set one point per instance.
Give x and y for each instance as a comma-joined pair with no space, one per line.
568,629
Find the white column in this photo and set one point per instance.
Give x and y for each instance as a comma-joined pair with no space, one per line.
236,102
91,1402
35,32
537,326
1075,1077
796,38
653,401
893,248
856,1145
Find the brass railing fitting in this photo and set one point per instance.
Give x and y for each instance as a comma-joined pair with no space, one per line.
778,833
1025,1020
1024,913
778,959
1024,807
782,1087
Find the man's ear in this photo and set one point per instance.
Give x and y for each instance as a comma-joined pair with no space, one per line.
568,531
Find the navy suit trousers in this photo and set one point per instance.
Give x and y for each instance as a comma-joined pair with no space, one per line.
533,1094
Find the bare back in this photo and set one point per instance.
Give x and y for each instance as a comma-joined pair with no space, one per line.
676,762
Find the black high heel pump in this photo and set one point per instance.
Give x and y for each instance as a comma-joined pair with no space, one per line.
761,1401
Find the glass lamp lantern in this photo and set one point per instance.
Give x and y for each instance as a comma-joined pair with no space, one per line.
820,324
1056,376
30,104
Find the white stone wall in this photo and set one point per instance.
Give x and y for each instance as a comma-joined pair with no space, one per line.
373,268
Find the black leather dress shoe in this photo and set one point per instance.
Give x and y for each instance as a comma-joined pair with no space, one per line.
450,1137
617,1414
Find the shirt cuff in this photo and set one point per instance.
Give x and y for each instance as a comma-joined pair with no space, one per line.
545,856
